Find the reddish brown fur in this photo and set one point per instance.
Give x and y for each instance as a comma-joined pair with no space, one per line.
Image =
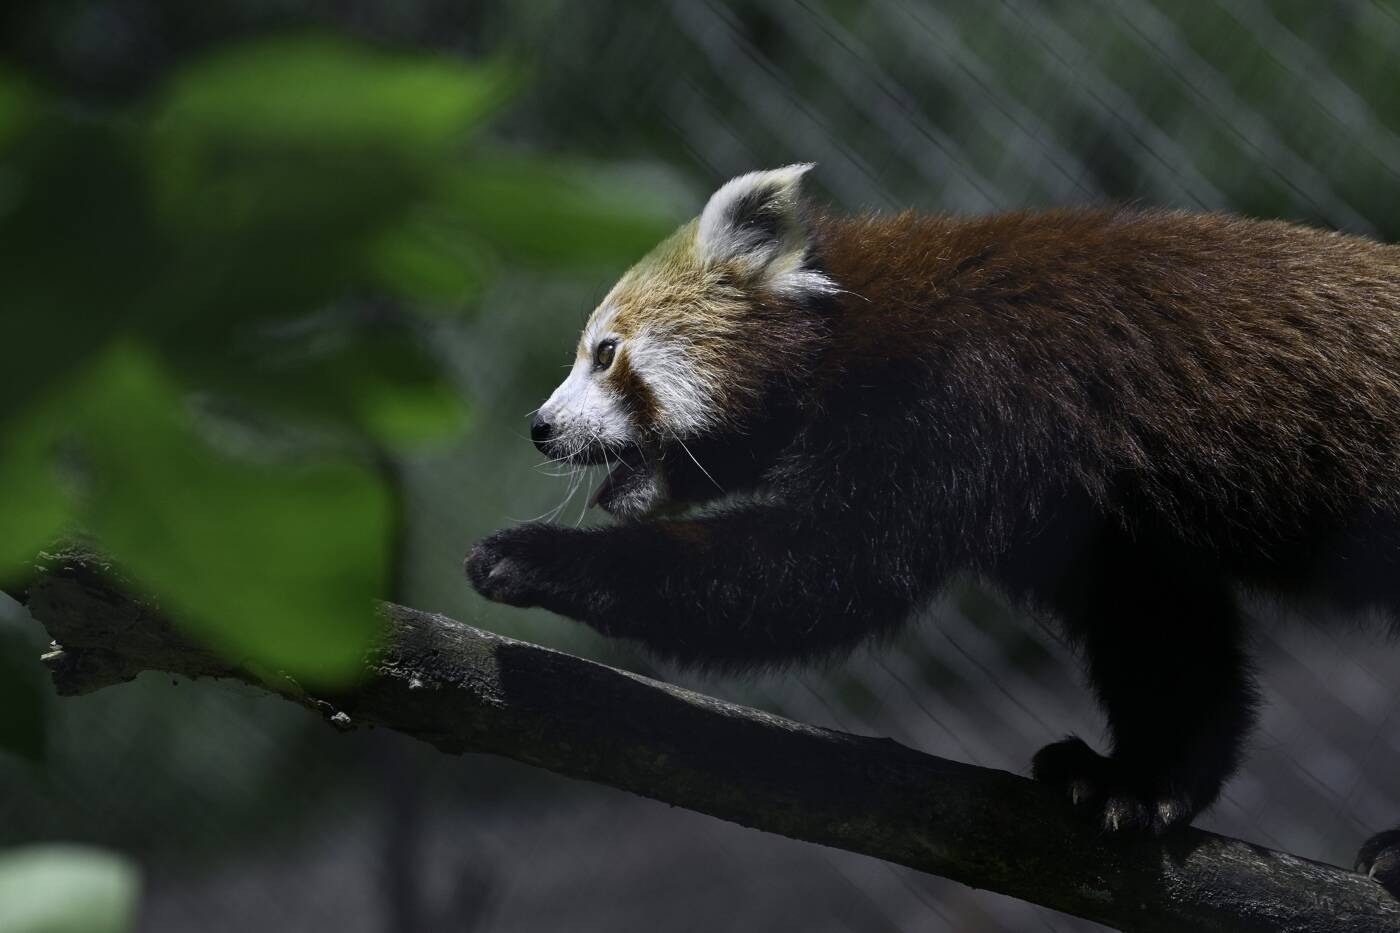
634,391
1215,358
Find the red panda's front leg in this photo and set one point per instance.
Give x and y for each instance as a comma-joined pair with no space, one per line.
749,586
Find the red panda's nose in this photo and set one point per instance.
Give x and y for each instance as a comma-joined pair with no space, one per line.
540,430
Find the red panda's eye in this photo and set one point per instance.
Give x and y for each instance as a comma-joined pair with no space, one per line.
603,356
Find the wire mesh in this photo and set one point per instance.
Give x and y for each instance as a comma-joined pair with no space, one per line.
1276,109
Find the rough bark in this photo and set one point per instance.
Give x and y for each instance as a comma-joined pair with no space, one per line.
465,690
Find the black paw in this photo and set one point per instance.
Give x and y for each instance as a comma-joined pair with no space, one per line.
1380,858
1105,790
513,566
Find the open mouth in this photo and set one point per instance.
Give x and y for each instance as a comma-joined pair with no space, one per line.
631,487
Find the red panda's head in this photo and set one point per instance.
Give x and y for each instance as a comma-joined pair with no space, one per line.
689,345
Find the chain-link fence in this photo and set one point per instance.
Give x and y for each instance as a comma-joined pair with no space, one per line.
1287,109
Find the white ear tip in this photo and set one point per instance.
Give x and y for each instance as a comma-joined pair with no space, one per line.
788,175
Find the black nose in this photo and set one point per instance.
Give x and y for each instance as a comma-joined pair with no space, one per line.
540,430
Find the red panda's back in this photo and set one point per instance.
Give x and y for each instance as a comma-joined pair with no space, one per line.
1252,367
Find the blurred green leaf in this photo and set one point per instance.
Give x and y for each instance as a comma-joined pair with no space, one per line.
17,110
66,889
274,565
329,93
289,206
23,693
342,371
309,136
33,506
402,413
79,250
436,263
291,171
546,212
397,394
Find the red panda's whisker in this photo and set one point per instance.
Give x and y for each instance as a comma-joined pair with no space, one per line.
697,463
549,515
584,510
574,478
575,483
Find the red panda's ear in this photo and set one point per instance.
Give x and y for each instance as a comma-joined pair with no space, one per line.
755,223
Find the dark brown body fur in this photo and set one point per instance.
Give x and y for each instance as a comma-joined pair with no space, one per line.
1242,377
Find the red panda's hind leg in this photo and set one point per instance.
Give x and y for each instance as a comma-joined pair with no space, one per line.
1163,642
1109,792
1380,858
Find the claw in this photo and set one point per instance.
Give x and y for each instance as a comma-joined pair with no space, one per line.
1109,790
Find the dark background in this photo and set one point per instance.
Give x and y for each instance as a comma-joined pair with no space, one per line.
246,242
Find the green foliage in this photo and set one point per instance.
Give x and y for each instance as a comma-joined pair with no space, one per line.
34,506
434,260
553,214
66,889
275,564
16,106
264,236
23,694
327,94
80,251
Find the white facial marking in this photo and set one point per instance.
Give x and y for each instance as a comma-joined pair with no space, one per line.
684,399
600,325
641,497
583,411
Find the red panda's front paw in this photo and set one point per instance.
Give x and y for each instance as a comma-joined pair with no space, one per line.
511,566
1105,790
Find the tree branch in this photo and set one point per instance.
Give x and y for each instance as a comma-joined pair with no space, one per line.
465,690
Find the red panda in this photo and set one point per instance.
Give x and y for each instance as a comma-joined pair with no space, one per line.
1123,418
